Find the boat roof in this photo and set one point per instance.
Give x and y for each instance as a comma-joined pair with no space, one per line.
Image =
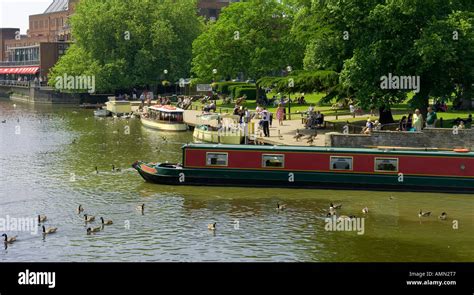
287,148
166,109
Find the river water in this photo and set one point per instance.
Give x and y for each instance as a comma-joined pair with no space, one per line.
48,157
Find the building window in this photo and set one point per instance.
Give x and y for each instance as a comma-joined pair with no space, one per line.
386,164
273,161
216,159
341,163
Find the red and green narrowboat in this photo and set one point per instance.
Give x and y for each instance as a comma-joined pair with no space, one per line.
316,167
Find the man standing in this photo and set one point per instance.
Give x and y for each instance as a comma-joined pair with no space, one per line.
266,122
417,120
431,118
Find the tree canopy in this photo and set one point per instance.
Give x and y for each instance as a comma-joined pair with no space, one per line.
130,43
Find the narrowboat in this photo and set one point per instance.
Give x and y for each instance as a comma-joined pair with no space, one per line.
227,131
316,167
164,117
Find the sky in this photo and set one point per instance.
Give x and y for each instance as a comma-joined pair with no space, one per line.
15,13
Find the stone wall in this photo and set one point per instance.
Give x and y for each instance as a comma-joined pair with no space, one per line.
432,138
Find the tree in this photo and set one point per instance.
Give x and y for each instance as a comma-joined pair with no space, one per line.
250,39
130,43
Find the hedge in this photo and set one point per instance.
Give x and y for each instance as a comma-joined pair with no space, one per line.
223,87
250,92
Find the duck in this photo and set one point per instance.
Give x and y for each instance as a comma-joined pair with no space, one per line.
106,222
42,218
424,214
88,218
9,240
365,210
80,209
281,206
212,226
443,216
93,230
49,230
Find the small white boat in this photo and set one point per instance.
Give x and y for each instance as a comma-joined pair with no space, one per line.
101,113
164,117
227,131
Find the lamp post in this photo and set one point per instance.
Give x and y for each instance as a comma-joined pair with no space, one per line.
165,72
290,85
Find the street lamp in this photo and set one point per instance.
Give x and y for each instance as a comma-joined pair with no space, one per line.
290,85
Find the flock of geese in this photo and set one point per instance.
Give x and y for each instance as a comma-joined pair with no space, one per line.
114,169
332,211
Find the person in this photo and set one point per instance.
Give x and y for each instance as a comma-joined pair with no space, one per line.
142,99
319,119
402,125
409,122
417,120
134,93
258,109
377,126
280,114
352,110
368,127
469,121
266,122
431,118
461,125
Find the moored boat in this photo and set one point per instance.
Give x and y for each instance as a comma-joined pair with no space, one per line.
164,117
226,131
316,167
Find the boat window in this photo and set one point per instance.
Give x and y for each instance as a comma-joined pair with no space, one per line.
386,164
216,159
341,163
273,161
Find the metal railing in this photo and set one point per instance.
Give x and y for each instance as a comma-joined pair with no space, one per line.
25,84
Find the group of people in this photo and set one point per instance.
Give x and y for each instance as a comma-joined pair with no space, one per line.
371,126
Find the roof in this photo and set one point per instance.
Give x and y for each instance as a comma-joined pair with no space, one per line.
288,148
166,109
57,6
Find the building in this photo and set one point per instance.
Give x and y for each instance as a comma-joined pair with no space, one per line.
212,8
32,55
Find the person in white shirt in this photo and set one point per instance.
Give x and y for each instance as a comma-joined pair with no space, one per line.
266,122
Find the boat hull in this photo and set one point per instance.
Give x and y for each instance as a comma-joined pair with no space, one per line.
215,137
164,126
172,175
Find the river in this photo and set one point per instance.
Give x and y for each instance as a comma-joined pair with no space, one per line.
48,156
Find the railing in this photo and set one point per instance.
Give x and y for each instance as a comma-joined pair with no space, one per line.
25,84
20,63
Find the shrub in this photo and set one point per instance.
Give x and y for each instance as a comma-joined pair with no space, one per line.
249,91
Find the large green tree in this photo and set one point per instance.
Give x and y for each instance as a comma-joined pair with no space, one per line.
131,43
250,39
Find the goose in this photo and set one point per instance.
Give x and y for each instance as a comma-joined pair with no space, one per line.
88,218
365,210
96,170
49,230
424,214
4,121
298,135
42,218
343,217
80,209
93,230
9,240
212,226
310,141
281,206
141,207
337,206
443,216
106,222
115,169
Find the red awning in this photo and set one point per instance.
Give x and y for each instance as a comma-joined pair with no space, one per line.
20,70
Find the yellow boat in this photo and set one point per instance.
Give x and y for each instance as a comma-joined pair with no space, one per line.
164,117
228,131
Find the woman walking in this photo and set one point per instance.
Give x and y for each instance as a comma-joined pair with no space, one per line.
280,114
